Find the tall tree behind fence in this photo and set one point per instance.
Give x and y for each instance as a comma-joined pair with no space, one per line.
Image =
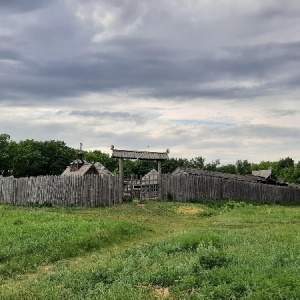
186,188
89,190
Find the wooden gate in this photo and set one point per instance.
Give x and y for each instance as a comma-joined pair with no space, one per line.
142,188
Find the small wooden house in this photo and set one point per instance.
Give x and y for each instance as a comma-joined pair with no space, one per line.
81,167
151,178
268,176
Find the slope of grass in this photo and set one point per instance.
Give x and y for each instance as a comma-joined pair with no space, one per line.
159,251
31,237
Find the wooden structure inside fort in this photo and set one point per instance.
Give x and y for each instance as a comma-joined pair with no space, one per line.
142,155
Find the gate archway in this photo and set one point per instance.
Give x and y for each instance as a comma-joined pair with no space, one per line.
141,155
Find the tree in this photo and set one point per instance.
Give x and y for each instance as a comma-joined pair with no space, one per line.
27,159
168,166
264,165
4,154
285,163
197,162
34,158
230,169
286,171
243,167
142,167
57,156
213,165
98,156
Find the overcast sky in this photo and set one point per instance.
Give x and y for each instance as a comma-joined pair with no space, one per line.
212,78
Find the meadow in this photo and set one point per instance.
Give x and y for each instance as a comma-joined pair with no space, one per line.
151,250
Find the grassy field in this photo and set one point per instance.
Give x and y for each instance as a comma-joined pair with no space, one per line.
154,250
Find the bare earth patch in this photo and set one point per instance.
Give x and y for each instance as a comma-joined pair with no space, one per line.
187,210
160,291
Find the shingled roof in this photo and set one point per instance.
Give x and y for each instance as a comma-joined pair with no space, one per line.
249,178
143,155
263,173
85,168
197,172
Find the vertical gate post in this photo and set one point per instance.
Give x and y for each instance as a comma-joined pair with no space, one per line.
159,180
121,180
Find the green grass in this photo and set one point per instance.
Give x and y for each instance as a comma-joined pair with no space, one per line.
156,250
31,237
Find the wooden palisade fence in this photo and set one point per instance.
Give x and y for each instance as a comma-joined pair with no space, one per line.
91,190
188,188
94,190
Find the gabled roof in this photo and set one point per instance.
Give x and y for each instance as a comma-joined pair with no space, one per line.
152,174
83,170
263,173
150,178
249,178
144,155
101,169
194,171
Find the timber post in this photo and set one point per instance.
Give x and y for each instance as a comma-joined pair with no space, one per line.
121,180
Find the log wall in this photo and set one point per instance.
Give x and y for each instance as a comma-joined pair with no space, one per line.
187,188
94,190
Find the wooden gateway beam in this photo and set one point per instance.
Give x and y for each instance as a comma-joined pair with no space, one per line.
143,155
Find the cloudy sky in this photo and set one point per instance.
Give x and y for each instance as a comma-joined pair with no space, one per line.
212,78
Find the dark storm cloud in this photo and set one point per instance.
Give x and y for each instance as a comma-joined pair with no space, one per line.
79,64
57,58
158,76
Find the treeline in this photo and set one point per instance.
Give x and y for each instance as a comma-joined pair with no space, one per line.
34,158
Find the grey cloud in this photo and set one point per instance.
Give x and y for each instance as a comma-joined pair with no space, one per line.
151,50
283,112
133,117
260,131
22,6
61,61
133,140
277,10
164,77
9,55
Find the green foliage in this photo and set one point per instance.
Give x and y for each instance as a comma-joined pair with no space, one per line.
136,201
243,167
168,166
197,162
213,165
233,204
5,144
284,163
140,167
97,156
230,169
33,158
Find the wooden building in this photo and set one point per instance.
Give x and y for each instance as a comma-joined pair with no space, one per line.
264,176
151,178
142,155
82,168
